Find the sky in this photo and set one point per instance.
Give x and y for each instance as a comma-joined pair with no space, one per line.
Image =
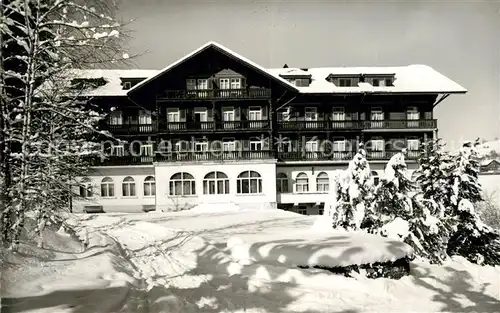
460,39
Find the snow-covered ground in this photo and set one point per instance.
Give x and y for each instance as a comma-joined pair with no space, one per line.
229,261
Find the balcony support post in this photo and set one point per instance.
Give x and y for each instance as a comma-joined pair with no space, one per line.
272,120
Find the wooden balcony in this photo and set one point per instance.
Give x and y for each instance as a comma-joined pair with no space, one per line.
387,154
126,160
216,126
213,156
132,129
356,125
316,156
320,125
400,124
215,94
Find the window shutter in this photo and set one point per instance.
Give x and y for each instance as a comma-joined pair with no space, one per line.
264,112
348,116
265,144
238,145
321,116
246,145
243,82
237,114
244,113
182,115
210,115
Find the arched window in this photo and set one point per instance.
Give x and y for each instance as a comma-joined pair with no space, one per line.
376,178
215,183
149,186
86,188
128,187
249,182
107,187
282,182
182,184
322,182
302,183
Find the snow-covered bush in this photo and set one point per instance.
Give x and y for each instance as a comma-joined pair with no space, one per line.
354,190
473,239
489,212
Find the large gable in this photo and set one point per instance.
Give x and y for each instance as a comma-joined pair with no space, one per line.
213,47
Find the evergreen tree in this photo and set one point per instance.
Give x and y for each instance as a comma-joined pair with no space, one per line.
354,191
50,37
471,238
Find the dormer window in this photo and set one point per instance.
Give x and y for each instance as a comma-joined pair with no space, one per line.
380,80
127,85
344,80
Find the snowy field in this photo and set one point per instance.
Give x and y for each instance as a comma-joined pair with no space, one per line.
229,261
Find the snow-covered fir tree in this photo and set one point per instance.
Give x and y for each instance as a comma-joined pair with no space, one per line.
354,190
471,238
392,196
43,41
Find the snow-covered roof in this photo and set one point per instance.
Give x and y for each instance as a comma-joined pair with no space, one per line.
408,79
113,78
224,49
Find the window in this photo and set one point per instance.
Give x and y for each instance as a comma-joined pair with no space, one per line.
381,82
255,114
339,144
127,85
215,183
377,144
229,145
338,114
345,82
377,116
190,84
302,210
322,182
413,144
182,145
282,182
147,149
128,187
201,146
173,115
235,83
388,82
200,114
311,114
249,182
115,118
284,115
224,83
284,145
376,178
149,186
255,145
312,146
228,114
118,150
321,211
182,184
412,115
107,187
202,84
86,188
145,118
302,183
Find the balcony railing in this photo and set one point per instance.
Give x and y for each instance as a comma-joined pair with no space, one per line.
316,156
387,154
132,129
211,94
126,160
214,126
213,156
321,125
400,124
357,125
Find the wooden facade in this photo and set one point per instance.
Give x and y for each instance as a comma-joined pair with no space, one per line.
214,107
